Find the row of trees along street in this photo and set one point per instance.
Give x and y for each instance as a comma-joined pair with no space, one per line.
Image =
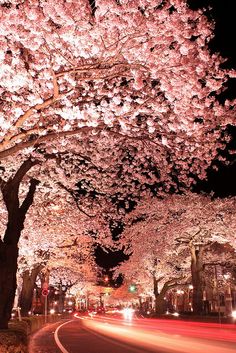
179,241
101,105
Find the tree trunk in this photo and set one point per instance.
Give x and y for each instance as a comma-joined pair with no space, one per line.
197,280
9,243
26,295
160,304
155,292
8,268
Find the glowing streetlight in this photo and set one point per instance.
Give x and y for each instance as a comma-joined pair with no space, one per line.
132,288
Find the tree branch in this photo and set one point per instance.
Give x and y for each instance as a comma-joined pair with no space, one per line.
25,116
56,135
24,168
171,283
11,187
71,192
40,139
29,197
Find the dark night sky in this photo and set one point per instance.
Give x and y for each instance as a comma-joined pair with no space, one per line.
223,182
223,13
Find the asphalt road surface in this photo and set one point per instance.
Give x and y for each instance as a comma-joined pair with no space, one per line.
114,334
73,337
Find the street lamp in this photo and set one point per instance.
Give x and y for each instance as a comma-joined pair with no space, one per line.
189,298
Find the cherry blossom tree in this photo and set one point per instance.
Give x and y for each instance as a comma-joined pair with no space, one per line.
180,222
205,222
56,236
118,96
9,243
218,279
137,70
153,262
40,223
76,270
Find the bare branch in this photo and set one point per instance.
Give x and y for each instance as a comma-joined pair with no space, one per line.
71,192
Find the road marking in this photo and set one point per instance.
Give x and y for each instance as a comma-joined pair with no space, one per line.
58,342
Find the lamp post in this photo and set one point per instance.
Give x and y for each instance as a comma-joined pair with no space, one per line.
45,292
190,306
217,293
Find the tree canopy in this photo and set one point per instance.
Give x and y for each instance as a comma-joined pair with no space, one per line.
105,103
132,81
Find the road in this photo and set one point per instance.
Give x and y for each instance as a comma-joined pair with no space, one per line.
113,334
72,337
